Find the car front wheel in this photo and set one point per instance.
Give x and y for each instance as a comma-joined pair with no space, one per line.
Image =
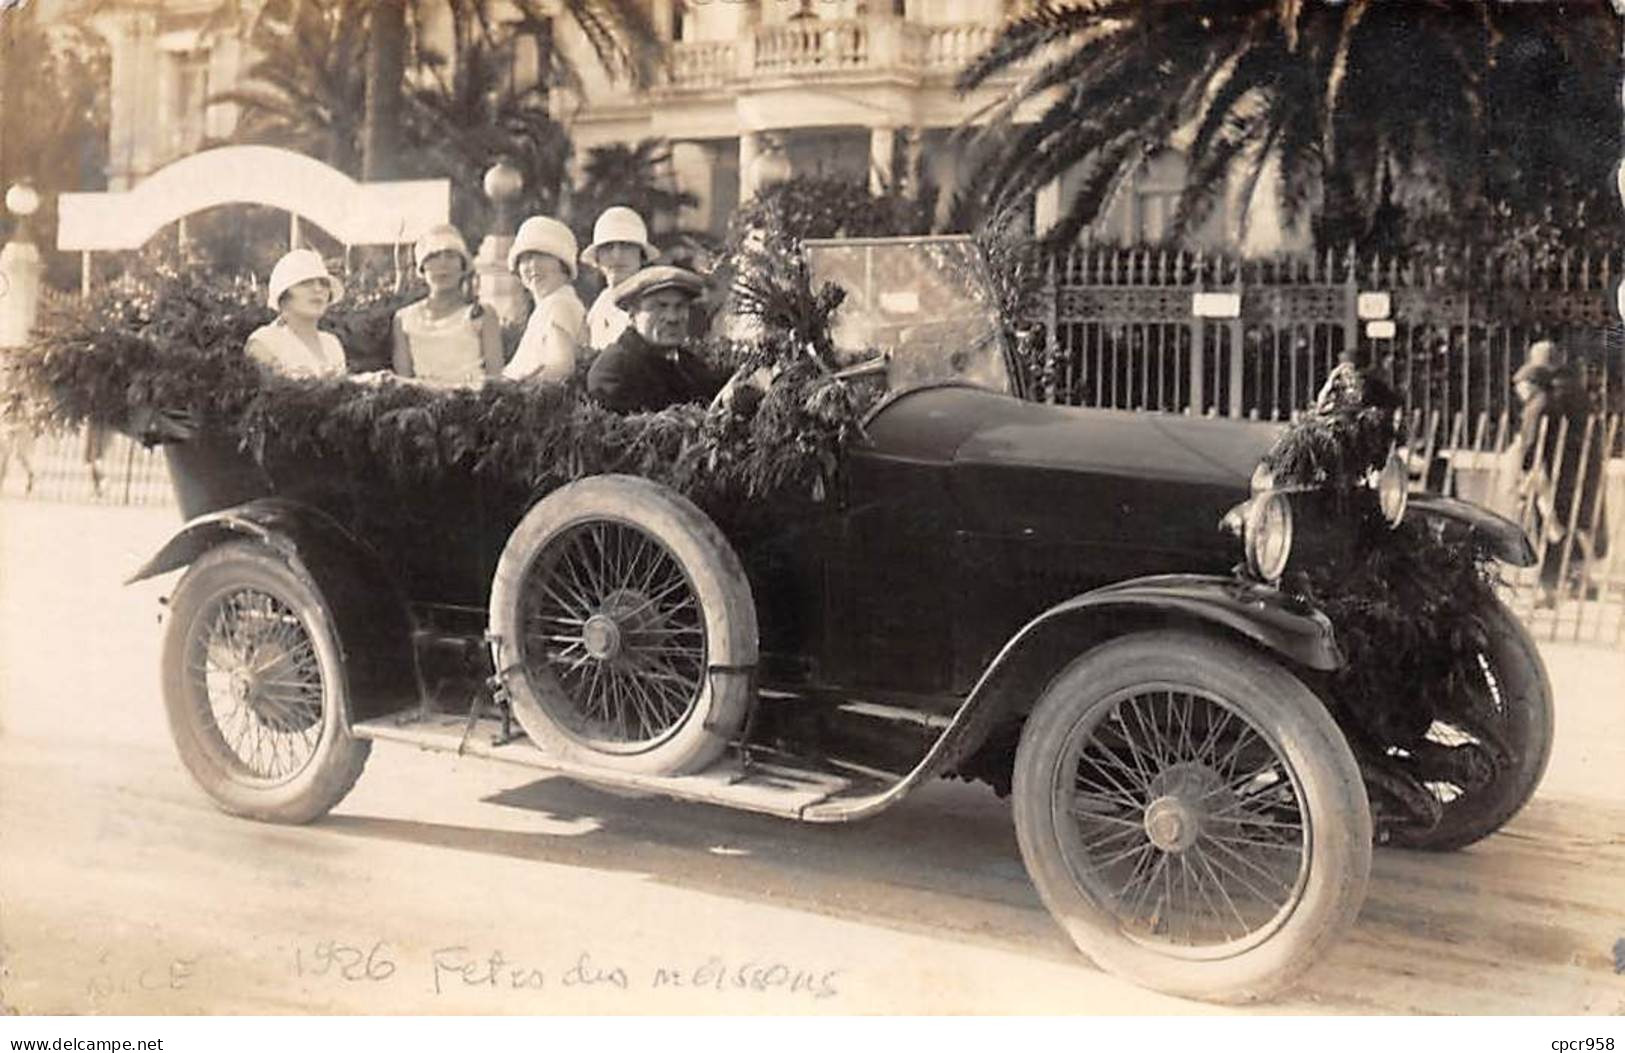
1191,815
1515,699
255,689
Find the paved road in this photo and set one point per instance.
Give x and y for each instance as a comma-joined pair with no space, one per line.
455,886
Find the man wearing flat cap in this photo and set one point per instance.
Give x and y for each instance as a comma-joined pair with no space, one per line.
647,368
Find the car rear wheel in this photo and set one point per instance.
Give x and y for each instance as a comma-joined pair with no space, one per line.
255,690
1511,680
1191,815
625,627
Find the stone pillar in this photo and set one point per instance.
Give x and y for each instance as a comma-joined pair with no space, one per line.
750,148
498,286
913,160
769,163
20,272
225,68
692,168
132,38
882,159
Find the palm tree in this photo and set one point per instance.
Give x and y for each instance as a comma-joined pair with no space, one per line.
1459,102
331,78
463,116
633,174
306,88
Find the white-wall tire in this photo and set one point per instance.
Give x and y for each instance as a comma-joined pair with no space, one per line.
625,628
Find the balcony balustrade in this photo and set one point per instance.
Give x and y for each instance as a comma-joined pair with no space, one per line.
827,47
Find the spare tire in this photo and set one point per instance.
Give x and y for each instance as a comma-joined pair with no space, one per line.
625,628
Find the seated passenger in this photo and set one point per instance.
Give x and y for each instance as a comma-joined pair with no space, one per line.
647,368
446,338
620,245
544,257
300,291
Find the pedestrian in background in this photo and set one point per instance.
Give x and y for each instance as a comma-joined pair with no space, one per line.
1561,472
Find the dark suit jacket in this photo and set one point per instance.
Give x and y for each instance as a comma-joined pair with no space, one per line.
633,376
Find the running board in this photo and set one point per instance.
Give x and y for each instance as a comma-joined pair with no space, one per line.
772,789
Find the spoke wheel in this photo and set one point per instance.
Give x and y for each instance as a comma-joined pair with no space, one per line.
626,628
613,624
1512,681
254,665
254,688
1191,815
1185,820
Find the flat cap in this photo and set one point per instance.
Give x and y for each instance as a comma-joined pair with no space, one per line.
653,280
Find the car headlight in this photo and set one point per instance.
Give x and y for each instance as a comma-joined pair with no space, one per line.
1393,490
1269,536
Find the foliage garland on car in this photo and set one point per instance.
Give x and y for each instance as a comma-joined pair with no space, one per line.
168,341
1408,606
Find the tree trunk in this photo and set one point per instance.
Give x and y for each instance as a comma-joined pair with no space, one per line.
386,69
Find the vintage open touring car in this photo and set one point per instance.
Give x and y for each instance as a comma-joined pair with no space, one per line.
1035,595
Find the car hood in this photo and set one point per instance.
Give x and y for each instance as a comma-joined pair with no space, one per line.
973,427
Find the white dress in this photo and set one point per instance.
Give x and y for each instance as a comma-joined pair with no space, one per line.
444,351
280,348
547,350
605,321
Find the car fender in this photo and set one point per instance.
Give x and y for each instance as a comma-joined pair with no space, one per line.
1496,534
1259,613
1296,632
370,614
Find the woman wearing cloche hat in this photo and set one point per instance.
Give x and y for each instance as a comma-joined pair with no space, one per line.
620,246
446,338
544,257
300,291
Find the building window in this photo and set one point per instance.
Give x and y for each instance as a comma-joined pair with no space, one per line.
679,21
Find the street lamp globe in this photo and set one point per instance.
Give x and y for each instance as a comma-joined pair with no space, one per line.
503,182
22,200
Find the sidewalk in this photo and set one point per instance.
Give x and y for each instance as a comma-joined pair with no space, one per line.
1588,756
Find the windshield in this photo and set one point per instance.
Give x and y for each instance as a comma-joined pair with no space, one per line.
925,302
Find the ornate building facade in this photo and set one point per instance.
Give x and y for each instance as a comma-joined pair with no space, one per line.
753,90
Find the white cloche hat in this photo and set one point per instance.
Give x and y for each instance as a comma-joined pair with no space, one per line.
300,265
441,238
544,234
619,223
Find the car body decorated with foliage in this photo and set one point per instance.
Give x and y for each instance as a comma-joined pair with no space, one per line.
895,570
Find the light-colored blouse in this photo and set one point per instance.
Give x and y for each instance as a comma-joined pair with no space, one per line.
547,350
445,350
606,321
281,349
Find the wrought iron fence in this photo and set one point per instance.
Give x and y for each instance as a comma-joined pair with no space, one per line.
1120,329
1572,507
95,467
